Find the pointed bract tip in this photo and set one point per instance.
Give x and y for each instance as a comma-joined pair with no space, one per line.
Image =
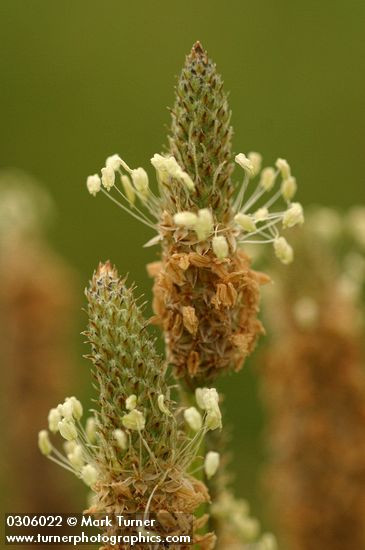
198,48
197,51
106,269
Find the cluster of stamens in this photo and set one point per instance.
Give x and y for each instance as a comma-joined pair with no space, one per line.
81,446
253,220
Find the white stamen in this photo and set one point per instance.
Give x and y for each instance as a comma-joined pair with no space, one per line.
245,163
168,167
134,420
114,162
208,400
107,177
261,214
121,439
44,443
284,168
267,179
289,188
245,221
283,250
131,402
211,463
256,161
193,418
89,475
293,216
140,181
93,184
54,417
220,247
76,457
204,224
67,429
186,219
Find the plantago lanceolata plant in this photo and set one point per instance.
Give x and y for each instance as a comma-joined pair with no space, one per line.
136,452
314,388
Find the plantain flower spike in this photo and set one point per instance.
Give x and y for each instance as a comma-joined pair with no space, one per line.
204,219
313,386
136,452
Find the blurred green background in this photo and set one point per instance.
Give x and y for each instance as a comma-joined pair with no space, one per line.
82,79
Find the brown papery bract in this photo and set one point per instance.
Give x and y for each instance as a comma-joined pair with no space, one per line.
208,310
